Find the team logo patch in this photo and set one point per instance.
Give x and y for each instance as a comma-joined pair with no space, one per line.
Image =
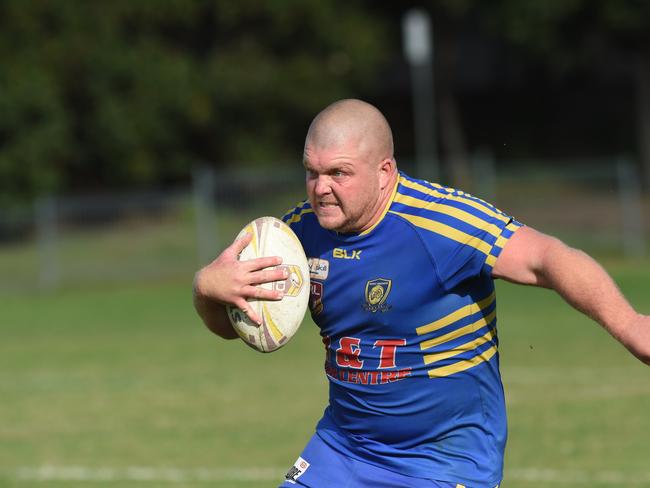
297,470
319,269
316,297
377,291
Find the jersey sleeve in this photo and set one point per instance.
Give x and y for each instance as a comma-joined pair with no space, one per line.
474,254
471,243
464,235
294,217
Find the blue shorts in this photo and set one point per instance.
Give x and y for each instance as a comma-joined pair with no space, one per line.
320,466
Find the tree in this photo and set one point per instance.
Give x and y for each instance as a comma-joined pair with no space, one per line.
95,94
588,35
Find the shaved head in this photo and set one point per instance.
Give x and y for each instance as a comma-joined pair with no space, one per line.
350,170
352,121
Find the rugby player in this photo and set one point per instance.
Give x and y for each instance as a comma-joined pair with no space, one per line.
402,289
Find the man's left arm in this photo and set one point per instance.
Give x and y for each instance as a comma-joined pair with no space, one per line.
533,258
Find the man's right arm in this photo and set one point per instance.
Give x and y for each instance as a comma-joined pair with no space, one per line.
212,313
228,281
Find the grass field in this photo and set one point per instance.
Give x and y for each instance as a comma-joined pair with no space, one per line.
120,386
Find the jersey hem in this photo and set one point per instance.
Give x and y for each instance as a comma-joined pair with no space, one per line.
449,477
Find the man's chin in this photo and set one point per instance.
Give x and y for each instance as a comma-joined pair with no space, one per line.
342,227
331,223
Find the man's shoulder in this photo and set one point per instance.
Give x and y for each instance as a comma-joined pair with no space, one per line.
296,213
301,219
420,201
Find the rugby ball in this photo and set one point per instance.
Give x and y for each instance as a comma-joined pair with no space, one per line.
280,318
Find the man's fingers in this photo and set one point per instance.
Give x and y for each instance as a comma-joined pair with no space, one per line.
245,307
260,293
240,244
269,275
261,263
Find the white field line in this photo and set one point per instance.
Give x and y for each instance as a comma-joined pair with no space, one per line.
143,473
185,475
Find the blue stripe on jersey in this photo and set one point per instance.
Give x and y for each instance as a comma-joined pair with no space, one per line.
459,337
448,214
454,215
419,188
296,213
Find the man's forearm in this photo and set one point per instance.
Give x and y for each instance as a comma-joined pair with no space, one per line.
212,313
585,285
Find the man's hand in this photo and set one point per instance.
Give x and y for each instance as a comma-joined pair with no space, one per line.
228,281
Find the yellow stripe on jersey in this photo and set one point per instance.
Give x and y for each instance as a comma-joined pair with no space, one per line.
455,334
294,208
512,226
468,346
447,231
466,217
459,314
501,241
463,365
479,205
298,216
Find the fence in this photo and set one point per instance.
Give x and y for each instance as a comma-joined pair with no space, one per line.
119,238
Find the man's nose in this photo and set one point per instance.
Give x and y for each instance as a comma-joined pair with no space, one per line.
322,186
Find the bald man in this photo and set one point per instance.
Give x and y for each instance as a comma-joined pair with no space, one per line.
402,289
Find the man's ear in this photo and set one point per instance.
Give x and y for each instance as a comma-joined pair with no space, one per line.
386,169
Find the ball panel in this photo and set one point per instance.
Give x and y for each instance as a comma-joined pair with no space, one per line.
280,319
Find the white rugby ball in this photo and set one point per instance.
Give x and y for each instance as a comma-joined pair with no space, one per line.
280,318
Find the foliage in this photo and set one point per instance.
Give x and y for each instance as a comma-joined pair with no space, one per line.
95,94
575,33
99,94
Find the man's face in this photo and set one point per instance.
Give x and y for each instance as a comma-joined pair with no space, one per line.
343,186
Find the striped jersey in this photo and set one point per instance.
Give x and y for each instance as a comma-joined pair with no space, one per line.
407,314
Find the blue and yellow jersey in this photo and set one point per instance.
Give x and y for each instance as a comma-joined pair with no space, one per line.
407,313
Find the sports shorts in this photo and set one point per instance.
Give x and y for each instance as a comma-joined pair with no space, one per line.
320,466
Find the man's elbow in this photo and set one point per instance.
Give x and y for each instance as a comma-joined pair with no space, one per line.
214,316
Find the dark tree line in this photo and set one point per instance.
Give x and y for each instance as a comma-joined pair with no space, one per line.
99,94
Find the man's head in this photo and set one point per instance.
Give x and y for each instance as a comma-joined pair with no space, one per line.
350,165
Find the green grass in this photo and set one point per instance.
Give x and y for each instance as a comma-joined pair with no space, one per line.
577,401
128,377
125,376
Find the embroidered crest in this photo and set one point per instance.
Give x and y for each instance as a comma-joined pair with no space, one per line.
377,291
